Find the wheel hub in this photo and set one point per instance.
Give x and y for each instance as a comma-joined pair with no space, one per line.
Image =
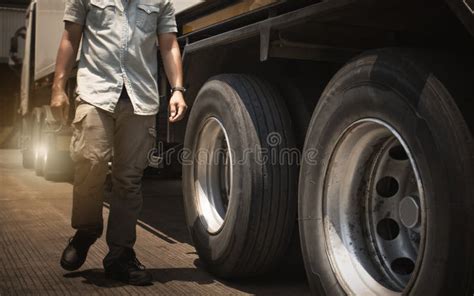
213,174
373,212
390,196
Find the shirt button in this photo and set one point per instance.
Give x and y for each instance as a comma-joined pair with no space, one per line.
148,11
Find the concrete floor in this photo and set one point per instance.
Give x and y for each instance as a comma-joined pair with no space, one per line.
34,229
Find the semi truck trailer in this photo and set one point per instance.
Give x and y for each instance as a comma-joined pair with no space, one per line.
338,131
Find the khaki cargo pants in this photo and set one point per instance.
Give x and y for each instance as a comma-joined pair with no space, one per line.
97,135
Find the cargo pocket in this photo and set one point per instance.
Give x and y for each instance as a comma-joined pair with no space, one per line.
147,17
101,14
77,140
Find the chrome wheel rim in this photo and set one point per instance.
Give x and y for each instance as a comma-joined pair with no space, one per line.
374,216
213,174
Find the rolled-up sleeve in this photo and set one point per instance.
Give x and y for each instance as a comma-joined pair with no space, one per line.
75,11
167,21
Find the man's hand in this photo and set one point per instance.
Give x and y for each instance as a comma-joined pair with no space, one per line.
60,106
177,107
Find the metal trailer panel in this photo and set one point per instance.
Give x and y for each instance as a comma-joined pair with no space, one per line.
49,29
25,71
182,5
11,19
255,29
239,8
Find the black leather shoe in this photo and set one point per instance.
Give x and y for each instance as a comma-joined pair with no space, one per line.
75,253
129,271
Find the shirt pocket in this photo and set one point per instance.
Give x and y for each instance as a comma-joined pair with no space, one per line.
147,17
101,13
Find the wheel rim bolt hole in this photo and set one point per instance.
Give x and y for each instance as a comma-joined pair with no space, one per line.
387,187
388,229
398,153
402,266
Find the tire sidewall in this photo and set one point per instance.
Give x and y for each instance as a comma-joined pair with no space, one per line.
38,120
216,99
372,92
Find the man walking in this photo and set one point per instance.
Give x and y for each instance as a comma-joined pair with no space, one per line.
117,100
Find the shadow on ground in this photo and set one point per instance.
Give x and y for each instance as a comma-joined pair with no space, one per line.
271,284
163,215
99,278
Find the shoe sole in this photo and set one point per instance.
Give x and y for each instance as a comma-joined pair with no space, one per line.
70,267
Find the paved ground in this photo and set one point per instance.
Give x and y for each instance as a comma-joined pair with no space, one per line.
34,227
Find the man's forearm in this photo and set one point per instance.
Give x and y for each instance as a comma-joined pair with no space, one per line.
171,56
64,62
66,57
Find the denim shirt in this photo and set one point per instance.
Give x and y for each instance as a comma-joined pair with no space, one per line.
119,47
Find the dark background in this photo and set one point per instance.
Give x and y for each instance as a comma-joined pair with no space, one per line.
9,92
14,3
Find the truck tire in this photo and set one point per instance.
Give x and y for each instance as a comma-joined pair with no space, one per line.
27,151
37,143
300,114
386,205
240,216
49,157
27,158
57,163
299,110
